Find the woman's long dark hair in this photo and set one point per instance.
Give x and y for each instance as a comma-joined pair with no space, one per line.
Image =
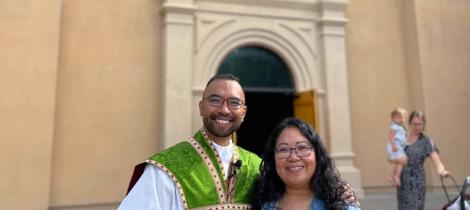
325,183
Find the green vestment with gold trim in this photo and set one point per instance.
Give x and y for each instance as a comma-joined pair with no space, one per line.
196,182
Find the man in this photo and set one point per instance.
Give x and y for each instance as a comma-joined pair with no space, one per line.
207,171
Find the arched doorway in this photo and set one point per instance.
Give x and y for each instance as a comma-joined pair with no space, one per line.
269,90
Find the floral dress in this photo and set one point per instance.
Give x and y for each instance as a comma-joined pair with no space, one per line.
412,192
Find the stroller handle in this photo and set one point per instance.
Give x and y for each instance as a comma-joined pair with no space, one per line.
445,188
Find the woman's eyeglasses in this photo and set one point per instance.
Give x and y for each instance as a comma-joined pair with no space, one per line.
301,150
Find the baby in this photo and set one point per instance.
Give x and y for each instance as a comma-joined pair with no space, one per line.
395,147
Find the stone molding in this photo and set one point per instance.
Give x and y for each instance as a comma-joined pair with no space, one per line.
311,42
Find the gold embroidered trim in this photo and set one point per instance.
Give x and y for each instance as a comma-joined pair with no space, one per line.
224,207
172,176
219,160
231,182
232,177
211,168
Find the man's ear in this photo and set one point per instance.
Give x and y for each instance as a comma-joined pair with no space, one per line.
200,108
245,109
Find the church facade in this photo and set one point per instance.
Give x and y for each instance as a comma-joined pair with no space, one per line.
92,88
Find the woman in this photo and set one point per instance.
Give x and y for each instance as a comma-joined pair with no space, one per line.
411,193
297,173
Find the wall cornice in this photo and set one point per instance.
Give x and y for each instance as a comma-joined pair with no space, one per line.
178,8
310,5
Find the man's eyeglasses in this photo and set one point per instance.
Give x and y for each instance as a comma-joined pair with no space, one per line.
301,150
218,101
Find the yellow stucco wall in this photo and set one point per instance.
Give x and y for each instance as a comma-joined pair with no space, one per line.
443,33
412,54
28,71
79,102
377,72
107,98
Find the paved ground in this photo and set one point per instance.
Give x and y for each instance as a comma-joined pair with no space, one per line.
373,200
90,207
387,200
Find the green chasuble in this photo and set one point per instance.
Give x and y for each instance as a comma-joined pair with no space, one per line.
196,169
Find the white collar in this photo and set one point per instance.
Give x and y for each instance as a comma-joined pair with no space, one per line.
225,152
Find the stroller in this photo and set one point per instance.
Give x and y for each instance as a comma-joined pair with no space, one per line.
462,201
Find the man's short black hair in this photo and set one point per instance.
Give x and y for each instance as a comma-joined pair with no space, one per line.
223,77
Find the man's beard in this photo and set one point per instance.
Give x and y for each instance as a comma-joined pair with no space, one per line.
211,128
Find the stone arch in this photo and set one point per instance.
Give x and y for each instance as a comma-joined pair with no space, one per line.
212,55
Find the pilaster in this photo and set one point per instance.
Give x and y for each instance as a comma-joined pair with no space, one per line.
334,67
177,60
